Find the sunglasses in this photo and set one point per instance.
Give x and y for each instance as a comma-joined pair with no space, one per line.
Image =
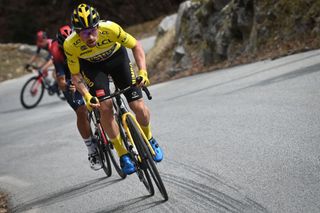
87,32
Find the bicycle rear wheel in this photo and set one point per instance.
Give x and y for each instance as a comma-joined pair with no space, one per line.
32,92
103,153
138,140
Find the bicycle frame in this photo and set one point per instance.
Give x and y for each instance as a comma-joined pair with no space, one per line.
124,113
32,91
126,128
137,143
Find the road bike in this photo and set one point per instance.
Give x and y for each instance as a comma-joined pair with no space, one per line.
105,148
136,142
33,90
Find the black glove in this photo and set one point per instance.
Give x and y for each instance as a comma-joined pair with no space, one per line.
27,66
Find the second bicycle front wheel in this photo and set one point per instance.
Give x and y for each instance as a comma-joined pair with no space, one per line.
103,153
111,151
32,92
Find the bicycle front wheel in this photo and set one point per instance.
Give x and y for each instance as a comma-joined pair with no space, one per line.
155,173
138,141
147,156
32,92
103,153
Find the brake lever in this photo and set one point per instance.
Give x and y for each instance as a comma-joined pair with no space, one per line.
144,88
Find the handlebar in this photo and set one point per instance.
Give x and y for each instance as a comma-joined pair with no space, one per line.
31,67
119,92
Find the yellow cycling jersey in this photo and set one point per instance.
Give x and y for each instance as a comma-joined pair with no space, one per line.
110,38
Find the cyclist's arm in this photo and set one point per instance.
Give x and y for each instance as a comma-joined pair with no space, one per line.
46,65
127,40
139,56
32,59
59,69
78,81
35,56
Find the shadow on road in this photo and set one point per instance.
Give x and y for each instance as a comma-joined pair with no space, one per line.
65,194
133,205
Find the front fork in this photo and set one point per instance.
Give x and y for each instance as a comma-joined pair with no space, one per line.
126,128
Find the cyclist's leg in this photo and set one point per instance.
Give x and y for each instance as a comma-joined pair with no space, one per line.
99,87
143,117
77,104
124,76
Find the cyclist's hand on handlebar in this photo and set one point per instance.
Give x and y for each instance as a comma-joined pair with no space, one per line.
27,67
91,101
144,76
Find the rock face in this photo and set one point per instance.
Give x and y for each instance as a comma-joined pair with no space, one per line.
213,31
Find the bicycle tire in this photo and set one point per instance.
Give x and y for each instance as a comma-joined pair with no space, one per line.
155,174
116,164
61,96
153,170
26,92
138,140
103,153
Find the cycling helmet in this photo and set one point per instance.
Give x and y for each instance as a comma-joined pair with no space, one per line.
84,16
41,35
63,33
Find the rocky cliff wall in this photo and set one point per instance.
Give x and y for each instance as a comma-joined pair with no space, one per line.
209,33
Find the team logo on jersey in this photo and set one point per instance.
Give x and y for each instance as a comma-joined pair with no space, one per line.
83,53
83,47
102,56
100,93
134,94
102,43
87,80
77,42
67,53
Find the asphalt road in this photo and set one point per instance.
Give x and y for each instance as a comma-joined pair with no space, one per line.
244,139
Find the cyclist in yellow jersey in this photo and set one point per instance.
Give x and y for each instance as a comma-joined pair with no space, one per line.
95,50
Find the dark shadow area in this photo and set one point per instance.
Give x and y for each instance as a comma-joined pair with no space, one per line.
243,77
133,205
65,194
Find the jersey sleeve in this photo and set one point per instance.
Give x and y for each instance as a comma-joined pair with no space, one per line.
58,58
72,59
121,36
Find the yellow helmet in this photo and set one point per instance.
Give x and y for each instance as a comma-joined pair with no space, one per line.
84,16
